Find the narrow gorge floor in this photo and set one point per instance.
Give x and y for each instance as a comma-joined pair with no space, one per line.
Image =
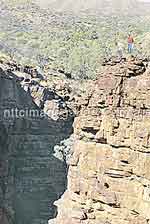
31,177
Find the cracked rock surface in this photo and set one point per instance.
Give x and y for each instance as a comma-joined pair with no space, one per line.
109,175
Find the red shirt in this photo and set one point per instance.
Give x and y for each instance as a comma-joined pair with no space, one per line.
130,40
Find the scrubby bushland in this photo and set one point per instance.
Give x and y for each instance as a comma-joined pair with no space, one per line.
74,45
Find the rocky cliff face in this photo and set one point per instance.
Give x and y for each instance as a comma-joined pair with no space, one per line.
109,177
108,153
31,176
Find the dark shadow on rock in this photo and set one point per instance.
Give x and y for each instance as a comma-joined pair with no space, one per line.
35,178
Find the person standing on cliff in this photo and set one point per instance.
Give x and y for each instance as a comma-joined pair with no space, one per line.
120,50
130,44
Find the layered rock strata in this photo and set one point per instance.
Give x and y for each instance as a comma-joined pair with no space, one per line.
109,177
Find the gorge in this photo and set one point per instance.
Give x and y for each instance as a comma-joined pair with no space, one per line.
108,180
31,177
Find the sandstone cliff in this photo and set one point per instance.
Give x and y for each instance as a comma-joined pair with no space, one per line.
109,177
108,153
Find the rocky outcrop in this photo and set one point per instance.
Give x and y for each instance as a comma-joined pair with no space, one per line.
108,153
109,178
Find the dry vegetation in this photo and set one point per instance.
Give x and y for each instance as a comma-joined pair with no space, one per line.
72,44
